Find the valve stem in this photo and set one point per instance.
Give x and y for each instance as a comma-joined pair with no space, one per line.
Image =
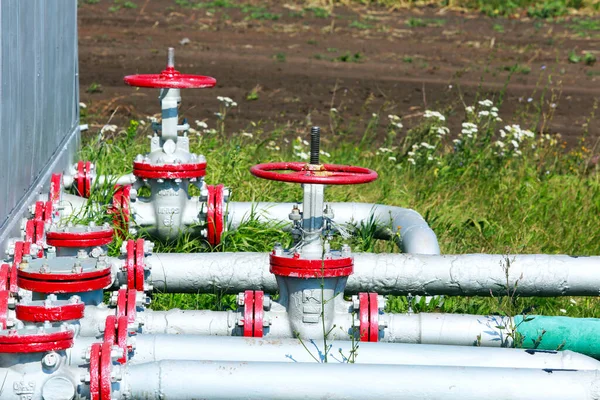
315,139
171,57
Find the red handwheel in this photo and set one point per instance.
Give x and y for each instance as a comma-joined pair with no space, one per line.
325,174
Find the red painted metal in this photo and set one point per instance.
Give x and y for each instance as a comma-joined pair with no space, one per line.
363,316
66,282
88,179
130,264
249,313
39,211
122,338
139,265
99,233
210,214
4,296
326,174
80,178
15,342
40,313
79,243
30,230
219,215
303,268
105,364
55,187
120,209
48,211
259,313
170,78
20,248
122,303
131,310
39,237
110,329
4,276
373,318
95,371
169,171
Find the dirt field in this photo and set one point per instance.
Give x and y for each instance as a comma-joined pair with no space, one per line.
357,61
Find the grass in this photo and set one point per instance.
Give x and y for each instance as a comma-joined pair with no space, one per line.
477,196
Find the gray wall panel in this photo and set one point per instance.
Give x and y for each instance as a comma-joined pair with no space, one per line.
39,116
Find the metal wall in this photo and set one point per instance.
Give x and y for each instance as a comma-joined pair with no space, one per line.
39,99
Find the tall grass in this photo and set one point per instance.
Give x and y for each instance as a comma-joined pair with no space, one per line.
493,187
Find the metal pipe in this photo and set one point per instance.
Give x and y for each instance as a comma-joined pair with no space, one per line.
150,348
397,274
243,380
406,226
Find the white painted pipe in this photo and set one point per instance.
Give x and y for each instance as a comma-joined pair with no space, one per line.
184,380
398,274
414,234
150,348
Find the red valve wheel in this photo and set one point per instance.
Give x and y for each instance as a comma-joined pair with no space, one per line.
95,371
170,78
326,174
30,341
249,313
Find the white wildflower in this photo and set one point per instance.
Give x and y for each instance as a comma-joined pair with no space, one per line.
457,141
82,105
411,160
470,109
192,131
486,103
499,144
392,158
333,110
324,153
434,114
562,310
201,124
247,134
483,113
303,155
108,128
515,143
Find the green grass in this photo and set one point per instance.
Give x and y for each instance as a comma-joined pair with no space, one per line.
544,200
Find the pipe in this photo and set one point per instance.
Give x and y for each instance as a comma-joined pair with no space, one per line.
184,380
150,348
397,274
406,226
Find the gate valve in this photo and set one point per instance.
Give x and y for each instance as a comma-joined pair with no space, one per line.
309,260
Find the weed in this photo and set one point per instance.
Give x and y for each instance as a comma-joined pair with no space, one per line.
498,28
319,56
359,25
574,57
129,5
584,27
518,69
589,58
349,57
407,59
263,15
332,50
94,88
312,42
318,12
253,94
421,22
280,57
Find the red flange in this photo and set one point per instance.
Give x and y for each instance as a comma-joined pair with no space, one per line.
139,265
219,212
110,329
4,296
55,188
122,338
326,174
130,264
4,276
170,78
126,304
259,313
30,341
30,231
21,248
368,315
249,313
64,281
120,209
95,371
97,236
169,171
210,215
105,363
296,267
83,178
62,310
131,309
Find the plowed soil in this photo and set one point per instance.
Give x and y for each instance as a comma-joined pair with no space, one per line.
359,61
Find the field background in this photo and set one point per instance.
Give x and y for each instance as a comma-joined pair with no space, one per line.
367,72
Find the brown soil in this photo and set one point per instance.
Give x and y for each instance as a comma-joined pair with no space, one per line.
399,69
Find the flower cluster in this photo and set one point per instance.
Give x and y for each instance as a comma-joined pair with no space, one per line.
227,102
300,149
395,121
488,110
423,152
512,137
434,115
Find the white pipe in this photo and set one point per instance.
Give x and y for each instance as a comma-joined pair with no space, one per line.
184,380
415,234
150,348
398,274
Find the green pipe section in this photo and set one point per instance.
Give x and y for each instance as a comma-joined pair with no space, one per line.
559,333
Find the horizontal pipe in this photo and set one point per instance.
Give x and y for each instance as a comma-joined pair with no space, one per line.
397,274
184,380
150,348
412,232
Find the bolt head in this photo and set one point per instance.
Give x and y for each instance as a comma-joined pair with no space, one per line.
50,360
